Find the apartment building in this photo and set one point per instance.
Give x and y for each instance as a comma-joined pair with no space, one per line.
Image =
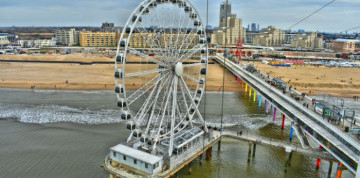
270,36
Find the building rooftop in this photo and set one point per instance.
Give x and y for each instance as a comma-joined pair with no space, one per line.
347,40
136,154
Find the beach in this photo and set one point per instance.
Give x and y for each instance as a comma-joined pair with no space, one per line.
312,80
40,74
37,72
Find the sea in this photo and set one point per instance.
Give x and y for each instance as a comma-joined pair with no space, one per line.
65,134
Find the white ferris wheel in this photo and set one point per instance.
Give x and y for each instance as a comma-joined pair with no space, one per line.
159,90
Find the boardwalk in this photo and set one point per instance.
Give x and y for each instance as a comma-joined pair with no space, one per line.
341,146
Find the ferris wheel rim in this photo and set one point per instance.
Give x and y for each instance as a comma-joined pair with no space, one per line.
146,4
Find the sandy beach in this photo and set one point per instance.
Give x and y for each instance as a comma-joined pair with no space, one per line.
84,77
341,82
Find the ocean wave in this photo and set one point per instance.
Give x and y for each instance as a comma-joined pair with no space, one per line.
251,121
42,114
53,113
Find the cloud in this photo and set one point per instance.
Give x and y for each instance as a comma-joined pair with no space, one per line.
281,13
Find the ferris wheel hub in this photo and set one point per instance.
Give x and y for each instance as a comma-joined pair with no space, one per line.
179,69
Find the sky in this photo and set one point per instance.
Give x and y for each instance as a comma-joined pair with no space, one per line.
339,16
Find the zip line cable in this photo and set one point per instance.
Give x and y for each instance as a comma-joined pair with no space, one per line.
312,14
207,58
223,89
354,28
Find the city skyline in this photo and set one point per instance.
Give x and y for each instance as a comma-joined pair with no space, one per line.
337,17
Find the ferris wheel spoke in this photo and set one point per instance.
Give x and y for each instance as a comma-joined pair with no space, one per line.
187,54
162,35
185,100
145,72
144,89
173,115
179,30
154,107
195,106
162,116
146,104
186,34
166,88
143,55
191,78
193,65
151,43
190,42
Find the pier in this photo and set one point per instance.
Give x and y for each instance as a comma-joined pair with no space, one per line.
340,145
119,170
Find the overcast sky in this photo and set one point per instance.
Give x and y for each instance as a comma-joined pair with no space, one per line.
339,16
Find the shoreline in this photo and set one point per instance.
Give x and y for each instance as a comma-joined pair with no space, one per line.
80,90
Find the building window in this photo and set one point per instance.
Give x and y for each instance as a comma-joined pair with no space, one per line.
114,154
146,165
124,157
156,165
135,161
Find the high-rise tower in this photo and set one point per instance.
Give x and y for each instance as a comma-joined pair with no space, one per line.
223,11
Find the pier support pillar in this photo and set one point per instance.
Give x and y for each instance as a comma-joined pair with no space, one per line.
339,170
249,153
254,149
208,153
245,87
291,130
318,163
242,84
288,162
330,169
260,100
274,118
254,95
283,121
219,145
250,92
267,106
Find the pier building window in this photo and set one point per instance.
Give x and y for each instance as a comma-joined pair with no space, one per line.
114,154
135,161
146,165
124,157
156,165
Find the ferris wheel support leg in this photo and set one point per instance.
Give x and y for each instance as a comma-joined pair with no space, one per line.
162,118
186,105
173,116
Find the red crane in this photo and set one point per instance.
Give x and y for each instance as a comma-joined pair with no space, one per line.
239,48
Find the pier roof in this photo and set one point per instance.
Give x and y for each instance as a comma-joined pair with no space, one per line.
136,154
